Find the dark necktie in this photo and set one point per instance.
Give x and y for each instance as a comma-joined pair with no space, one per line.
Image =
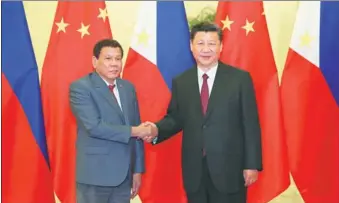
111,88
204,95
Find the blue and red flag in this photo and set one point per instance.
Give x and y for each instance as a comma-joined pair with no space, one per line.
310,97
159,51
25,174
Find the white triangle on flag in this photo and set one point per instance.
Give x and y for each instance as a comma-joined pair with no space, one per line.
144,38
305,37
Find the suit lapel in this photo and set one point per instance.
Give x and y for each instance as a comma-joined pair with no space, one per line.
194,87
123,99
219,86
102,88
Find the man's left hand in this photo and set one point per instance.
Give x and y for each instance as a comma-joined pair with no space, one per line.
136,184
250,176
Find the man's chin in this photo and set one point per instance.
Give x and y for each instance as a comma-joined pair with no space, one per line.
206,63
113,77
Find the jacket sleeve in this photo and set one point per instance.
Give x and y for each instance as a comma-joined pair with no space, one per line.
171,123
86,112
139,165
252,132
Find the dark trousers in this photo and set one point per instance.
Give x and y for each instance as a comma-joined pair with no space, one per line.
207,192
102,194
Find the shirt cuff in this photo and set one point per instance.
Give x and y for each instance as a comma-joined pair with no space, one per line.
154,141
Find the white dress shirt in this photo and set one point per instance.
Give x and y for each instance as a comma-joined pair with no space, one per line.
210,81
211,76
115,91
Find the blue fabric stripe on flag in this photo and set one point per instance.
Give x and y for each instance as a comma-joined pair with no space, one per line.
329,45
173,40
20,68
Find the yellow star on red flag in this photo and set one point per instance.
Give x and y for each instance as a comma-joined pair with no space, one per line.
103,14
248,27
62,25
227,23
83,30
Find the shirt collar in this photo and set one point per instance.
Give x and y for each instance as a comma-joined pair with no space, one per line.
211,72
107,83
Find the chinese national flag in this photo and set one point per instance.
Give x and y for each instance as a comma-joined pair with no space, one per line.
246,44
76,28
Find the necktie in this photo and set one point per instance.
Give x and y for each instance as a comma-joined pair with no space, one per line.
204,95
111,88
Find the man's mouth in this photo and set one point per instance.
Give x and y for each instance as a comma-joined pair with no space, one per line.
205,57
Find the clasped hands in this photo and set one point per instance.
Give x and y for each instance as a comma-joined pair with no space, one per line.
146,131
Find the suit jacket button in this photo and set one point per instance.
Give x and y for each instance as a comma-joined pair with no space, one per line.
204,126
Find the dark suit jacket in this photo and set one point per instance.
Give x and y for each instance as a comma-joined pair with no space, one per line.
229,132
105,151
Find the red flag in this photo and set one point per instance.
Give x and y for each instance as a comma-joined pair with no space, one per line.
76,28
246,44
309,89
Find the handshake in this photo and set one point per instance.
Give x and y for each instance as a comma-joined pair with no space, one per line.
146,131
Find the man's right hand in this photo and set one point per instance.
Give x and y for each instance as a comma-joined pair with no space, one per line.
146,131
141,131
154,131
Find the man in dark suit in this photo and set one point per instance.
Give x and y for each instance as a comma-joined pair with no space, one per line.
109,158
215,106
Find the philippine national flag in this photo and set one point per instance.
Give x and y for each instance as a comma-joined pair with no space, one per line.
159,51
26,176
310,96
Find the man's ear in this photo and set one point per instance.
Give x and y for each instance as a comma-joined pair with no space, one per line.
94,61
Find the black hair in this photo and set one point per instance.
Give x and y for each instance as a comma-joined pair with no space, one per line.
206,27
106,43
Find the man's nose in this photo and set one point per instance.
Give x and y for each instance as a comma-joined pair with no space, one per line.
113,62
205,48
